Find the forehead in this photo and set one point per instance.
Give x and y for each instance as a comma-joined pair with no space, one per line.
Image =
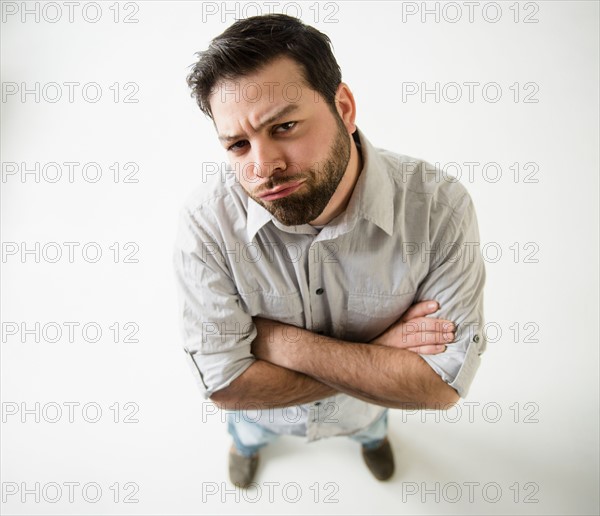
257,95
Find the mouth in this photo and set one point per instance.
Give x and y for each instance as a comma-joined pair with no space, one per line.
281,191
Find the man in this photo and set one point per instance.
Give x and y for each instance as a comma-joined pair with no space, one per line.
310,273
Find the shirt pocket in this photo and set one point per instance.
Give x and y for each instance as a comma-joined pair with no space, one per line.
286,308
368,315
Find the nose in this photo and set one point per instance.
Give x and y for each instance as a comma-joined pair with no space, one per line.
268,160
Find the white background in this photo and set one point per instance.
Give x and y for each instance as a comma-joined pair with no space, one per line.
540,386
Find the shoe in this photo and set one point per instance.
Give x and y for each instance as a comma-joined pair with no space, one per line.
380,460
242,469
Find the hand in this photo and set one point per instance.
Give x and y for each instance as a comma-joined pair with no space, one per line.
262,346
415,332
275,341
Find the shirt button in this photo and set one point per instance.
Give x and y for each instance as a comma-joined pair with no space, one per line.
317,403
476,339
319,291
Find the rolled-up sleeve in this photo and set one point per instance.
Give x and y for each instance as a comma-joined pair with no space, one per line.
456,280
217,332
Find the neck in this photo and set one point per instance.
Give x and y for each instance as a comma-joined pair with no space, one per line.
341,197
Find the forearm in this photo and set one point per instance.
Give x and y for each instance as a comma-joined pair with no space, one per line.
264,385
378,374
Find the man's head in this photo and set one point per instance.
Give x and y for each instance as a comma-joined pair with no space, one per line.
250,44
274,92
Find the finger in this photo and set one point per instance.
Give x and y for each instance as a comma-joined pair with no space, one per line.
422,340
428,324
426,339
428,350
420,309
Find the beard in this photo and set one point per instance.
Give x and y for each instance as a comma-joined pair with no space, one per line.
312,197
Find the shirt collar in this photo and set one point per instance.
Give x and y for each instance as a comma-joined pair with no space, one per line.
373,195
372,199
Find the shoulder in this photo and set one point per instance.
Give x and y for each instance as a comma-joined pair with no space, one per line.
421,183
216,201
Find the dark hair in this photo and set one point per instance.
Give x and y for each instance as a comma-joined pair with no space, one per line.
250,44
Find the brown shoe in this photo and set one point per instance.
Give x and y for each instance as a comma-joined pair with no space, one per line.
242,469
380,460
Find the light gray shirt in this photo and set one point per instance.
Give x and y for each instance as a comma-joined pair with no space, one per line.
408,234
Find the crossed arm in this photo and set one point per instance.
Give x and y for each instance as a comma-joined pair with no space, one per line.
388,371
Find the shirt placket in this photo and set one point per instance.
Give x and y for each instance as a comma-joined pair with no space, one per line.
318,299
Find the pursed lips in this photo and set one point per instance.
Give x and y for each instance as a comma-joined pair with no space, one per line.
281,191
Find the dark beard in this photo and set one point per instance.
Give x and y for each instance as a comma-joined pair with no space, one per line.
320,185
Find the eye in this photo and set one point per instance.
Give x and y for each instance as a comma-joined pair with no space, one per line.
287,126
237,145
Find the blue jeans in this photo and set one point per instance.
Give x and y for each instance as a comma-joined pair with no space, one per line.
249,437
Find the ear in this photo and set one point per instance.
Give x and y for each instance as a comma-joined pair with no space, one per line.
346,107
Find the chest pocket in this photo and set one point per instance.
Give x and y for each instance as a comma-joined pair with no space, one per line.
368,315
286,308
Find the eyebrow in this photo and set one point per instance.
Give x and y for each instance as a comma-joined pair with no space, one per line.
278,114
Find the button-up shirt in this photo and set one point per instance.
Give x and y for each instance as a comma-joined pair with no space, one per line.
407,234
